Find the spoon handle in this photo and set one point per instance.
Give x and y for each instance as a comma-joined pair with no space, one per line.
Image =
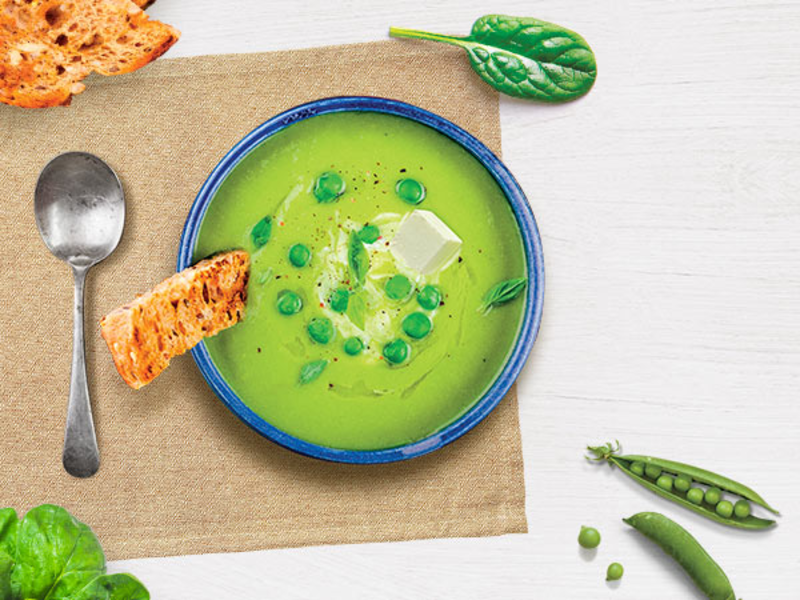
81,457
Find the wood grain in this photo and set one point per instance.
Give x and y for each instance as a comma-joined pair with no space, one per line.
669,204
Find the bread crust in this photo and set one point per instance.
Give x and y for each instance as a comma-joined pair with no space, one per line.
144,335
47,47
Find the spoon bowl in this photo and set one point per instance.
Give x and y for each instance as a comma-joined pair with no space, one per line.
80,208
80,212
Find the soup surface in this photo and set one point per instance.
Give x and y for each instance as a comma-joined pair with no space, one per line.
352,339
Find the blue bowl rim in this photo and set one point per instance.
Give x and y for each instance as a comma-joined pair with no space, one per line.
534,297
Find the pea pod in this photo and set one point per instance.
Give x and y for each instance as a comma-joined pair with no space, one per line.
653,467
686,551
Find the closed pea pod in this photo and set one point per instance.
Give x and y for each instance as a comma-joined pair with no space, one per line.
686,551
682,489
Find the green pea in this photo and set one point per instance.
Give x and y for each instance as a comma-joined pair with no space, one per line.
742,509
589,537
299,255
683,483
369,234
637,468
340,298
429,297
328,187
289,303
695,495
320,329
417,325
410,190
724,509
652,471
713,495
665,482
353,346
614,572
398,287
396,351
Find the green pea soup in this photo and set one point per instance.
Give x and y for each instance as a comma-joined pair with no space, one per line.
390,364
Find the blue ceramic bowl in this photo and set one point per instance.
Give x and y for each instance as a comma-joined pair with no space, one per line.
533,300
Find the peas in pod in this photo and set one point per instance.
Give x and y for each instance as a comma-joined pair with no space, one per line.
679,482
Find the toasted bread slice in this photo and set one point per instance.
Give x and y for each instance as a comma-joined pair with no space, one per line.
144,3
176,315
47,47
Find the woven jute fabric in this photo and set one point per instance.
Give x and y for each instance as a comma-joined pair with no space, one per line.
180,474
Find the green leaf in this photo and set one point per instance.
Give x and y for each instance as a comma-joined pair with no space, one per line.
56,556
503,292
113,587
311,371
357,259
357,311
261,232
524,57
50,555
8,531
6,566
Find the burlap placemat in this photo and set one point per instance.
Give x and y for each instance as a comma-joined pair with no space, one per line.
180,474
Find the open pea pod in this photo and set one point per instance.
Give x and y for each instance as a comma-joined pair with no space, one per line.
702,476
625,462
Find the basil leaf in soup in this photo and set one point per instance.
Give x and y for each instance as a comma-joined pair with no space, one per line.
311,371
357,260
357,311
262,232
503,292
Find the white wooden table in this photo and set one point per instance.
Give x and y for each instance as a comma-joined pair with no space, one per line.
669,205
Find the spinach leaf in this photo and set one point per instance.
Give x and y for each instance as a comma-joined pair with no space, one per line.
503,292
262,232
311,371
8,532
357,259
56,555
6,566
50,555
524,57
113,587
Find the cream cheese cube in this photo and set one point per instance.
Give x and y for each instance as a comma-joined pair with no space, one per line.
424,243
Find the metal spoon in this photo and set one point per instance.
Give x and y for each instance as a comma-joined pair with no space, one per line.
80,212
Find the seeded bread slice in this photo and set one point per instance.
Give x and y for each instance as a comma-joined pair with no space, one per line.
47,47
176,315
